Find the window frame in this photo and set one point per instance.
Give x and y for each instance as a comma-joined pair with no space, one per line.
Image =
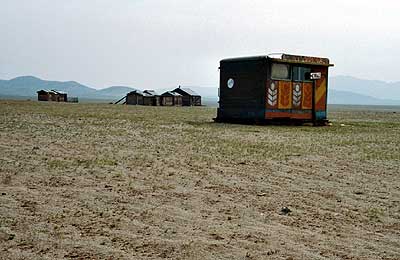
289,72
300,67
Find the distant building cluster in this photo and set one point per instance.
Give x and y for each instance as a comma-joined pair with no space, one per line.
177,97
55,95
52,95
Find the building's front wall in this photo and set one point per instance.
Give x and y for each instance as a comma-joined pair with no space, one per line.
134,99
167,101
156,101
186,100
148,101
292,99
178,101
53,97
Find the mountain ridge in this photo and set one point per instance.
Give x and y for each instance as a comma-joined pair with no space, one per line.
374,88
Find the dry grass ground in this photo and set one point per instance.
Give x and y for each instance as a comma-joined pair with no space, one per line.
87,181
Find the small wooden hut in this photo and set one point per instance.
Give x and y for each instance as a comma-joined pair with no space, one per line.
189,97
52,95
144,98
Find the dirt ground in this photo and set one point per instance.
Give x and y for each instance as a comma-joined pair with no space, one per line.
100,181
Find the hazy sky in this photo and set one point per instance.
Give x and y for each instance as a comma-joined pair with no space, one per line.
164,43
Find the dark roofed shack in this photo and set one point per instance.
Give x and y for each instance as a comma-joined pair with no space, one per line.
144,98
278,87
189,97
171,98
52,95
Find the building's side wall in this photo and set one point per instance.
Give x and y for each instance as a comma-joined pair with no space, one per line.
321,93
196,100
246,99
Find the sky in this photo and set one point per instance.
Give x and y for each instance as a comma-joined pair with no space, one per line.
165,43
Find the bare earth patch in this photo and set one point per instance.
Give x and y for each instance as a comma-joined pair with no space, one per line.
97,181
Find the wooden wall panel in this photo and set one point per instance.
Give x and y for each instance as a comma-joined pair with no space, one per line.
307,96
285,95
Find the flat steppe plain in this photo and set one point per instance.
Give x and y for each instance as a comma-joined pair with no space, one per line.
101,181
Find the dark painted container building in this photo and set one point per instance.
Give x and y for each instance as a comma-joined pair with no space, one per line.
273,88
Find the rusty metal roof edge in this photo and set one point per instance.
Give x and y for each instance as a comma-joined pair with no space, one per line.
300,62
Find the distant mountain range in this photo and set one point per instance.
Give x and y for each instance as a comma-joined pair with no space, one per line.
342,90
373,88
27,86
